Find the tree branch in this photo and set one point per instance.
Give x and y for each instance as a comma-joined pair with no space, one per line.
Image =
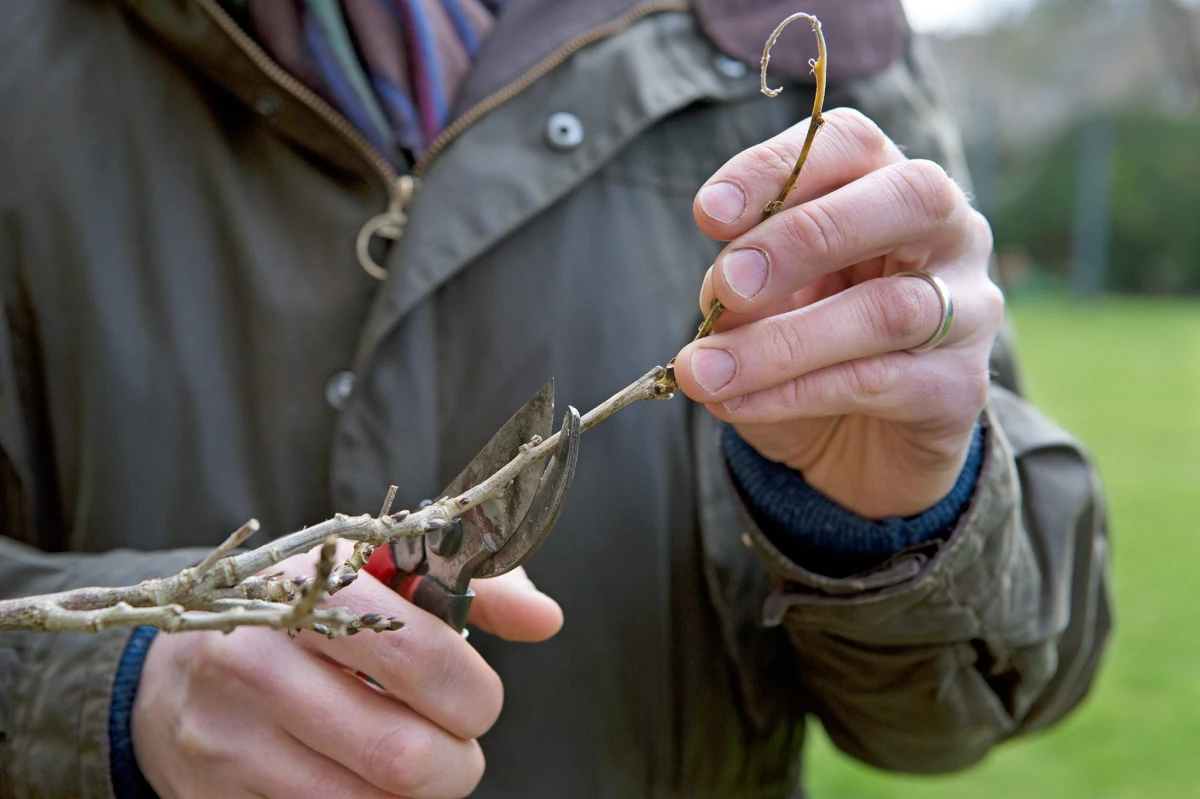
229,589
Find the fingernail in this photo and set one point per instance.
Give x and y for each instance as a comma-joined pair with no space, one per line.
713,369
733,404
746,271
724,202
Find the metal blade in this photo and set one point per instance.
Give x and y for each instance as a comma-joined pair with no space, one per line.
497,518
551,495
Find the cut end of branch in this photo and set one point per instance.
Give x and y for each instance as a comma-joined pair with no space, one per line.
387,501
233,542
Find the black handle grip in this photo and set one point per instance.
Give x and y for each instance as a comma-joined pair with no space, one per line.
429,595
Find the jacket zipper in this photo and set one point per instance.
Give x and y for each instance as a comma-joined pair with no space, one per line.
402,188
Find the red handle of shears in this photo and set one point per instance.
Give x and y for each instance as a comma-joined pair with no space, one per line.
421,590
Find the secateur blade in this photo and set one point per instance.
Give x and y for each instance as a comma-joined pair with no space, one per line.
499,517
435,571
457,552
547,503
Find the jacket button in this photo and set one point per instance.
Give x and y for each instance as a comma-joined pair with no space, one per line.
729,67
267,104
338,389
564,131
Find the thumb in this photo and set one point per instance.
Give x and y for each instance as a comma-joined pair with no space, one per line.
511,607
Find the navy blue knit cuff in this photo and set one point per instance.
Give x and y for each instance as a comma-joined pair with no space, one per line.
128,780
821,535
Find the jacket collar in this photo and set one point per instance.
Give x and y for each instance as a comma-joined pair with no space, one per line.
204,37
864,36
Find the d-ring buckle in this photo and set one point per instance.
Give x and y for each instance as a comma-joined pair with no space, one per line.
388,225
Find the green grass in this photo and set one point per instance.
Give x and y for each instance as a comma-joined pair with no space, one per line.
1124,376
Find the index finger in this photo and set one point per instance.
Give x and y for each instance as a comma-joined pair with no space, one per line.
848,146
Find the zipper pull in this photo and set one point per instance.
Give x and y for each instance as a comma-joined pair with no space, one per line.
388,225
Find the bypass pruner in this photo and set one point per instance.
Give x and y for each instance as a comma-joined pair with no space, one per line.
434,570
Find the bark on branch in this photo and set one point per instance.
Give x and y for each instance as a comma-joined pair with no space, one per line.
231,589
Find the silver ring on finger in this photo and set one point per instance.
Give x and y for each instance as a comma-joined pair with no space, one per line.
947,320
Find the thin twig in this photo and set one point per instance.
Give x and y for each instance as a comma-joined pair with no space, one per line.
388,500
820,68
233,542
347,573
315,589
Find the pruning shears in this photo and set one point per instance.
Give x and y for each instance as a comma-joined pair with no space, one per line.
434,570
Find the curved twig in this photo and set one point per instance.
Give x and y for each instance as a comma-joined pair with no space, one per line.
820,68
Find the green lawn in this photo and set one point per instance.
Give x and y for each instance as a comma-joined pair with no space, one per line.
1124,376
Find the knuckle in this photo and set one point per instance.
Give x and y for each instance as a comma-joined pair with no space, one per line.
992,306
402,758
859,130
214,659
771,159
870,378
814,233
444,670
898,308
223,659
784,343
438,667
925,187
198,741
981,231
489,703
797,393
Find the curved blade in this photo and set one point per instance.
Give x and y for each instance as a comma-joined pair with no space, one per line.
499,517
547,505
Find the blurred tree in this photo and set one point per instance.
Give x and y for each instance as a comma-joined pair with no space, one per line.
1153,241
1181,45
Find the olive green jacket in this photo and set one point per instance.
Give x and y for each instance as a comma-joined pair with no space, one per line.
189,340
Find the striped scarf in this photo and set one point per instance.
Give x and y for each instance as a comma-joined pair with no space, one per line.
392,67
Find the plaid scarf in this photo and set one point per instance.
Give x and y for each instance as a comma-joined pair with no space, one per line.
391,67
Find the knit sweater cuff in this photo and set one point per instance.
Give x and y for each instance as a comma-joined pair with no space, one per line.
821,535
128,780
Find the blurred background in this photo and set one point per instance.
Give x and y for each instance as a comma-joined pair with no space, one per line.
1082,125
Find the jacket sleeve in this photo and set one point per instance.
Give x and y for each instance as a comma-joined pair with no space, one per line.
928,662
55,688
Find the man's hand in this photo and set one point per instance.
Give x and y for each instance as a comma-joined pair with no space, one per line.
257,714
810,362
